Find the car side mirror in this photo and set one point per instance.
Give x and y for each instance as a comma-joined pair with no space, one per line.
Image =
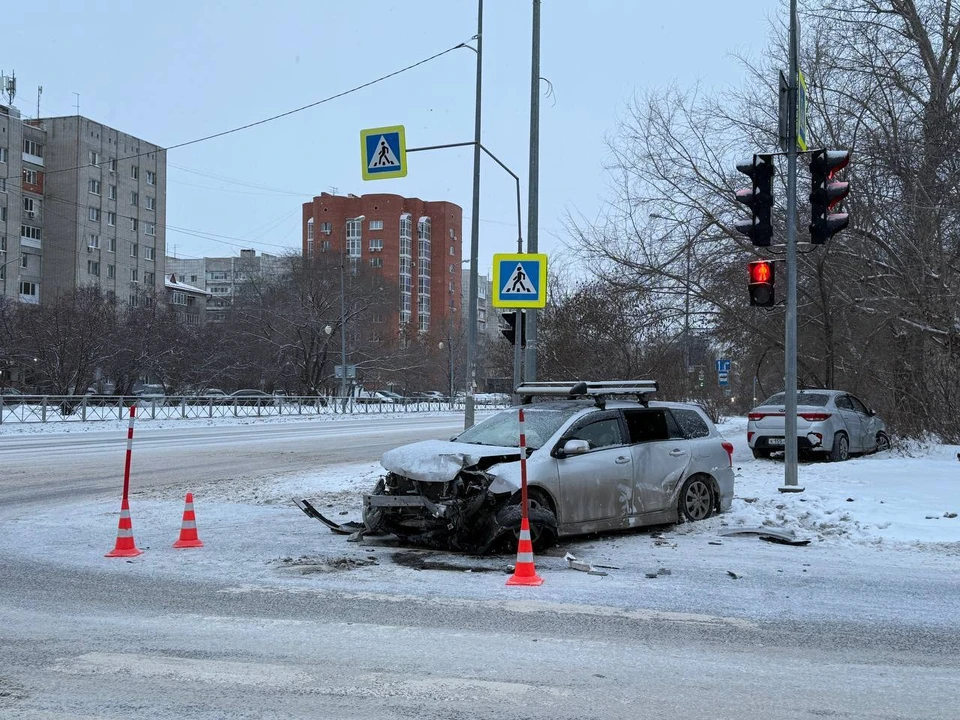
574,447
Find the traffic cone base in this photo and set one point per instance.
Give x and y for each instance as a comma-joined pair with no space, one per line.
524,572
125,546
188,529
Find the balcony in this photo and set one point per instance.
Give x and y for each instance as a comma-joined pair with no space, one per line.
35,159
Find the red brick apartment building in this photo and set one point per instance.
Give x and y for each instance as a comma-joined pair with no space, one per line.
414,243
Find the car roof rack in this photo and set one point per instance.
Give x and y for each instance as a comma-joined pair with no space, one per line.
598,390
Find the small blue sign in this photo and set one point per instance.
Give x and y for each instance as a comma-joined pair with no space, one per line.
723,378
383,153
723,366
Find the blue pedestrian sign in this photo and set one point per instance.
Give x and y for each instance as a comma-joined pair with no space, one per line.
383,153
519,280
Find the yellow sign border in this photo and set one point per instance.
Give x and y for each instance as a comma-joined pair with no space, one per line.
540,301
365,162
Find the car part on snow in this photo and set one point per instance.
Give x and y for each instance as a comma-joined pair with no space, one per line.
784,537
348,528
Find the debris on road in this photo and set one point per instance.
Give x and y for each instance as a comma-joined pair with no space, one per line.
347,528
783,537
734,575
575,564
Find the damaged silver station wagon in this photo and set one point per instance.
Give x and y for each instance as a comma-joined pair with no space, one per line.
600,457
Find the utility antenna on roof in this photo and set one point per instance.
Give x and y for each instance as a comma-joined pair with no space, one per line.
8,85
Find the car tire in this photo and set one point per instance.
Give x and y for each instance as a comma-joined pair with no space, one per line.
697,500
543,521
841,448
883,442
761,454
373,520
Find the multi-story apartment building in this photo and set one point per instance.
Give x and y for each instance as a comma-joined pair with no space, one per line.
222,276
413,243
84,205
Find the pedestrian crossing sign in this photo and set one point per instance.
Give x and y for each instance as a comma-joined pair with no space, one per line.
383,153
519,280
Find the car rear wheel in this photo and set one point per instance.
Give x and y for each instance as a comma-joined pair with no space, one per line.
841,448
883,442
761,454
696,499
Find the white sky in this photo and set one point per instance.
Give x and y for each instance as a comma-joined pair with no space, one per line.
179,70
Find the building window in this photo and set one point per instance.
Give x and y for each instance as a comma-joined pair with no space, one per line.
29,206
32,148
3,154
113,165
112,192
452,236
30,232
326,228
217,275
376,245
149,229
354,238
324,246
93,214
134,224
151,203
3,184
134,275
3,214
30,177
149,278
149,253
134,250
133,301
135,172
134,198
151,177
406,266
93,187
376,224
310,229
29,292
376,262
111,218
23,260
93,241
452,251
94,157
111,271
93,268
112,245
179,298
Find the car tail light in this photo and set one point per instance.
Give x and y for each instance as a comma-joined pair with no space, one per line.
814,416
750,435
728,446
755,416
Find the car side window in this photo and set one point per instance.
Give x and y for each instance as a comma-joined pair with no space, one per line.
690,422
599,433
857,405
843,402
646,425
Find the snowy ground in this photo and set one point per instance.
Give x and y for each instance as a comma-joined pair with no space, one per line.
894,510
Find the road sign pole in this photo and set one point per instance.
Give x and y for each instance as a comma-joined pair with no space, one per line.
533,189
790,320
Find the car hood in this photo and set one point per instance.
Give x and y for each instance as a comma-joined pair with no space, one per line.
442,460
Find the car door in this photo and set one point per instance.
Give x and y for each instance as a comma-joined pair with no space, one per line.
851,420
660,452
597,484
869,425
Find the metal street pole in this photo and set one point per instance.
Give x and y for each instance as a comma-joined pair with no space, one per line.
790,320
343,325
530,364
468,411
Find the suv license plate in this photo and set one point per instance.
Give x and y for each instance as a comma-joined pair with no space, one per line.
774,441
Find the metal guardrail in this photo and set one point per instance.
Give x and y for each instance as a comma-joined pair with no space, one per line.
93,408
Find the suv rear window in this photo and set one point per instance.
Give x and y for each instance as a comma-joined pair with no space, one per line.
651,424
690,423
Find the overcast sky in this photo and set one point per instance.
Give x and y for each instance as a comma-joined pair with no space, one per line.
178,70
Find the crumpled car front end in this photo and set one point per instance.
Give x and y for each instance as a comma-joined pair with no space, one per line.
442,494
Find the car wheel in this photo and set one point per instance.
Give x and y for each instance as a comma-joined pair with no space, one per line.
841,448
883,442
696,499
373,519
761,454
543,521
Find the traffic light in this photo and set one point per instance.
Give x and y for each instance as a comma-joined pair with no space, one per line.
762,277
510,332
759,198
825,194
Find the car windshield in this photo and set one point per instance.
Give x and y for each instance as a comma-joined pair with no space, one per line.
503,429
803,398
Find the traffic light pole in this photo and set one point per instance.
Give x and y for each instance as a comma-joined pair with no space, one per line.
790,320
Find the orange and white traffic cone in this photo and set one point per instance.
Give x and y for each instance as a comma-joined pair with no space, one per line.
125,546
188,530
524,573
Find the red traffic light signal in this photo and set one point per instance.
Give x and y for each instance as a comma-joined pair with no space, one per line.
826,194
762,276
